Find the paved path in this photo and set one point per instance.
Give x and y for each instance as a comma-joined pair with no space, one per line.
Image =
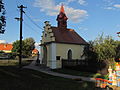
48,71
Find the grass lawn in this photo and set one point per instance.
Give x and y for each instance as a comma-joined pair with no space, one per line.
12,78
75,72
11,62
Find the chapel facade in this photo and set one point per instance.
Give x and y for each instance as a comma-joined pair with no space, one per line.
60,43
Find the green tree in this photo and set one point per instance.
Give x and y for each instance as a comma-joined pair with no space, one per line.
105,48
16,47
27,47
117,49
2,17
89,52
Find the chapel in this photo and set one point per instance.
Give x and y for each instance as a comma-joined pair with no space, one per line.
60,43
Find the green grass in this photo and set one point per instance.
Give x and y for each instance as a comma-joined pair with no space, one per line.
74,72
12,78
11,62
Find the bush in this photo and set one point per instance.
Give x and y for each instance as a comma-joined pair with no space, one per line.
101,76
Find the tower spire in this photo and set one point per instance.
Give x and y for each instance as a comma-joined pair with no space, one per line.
62,18
62,9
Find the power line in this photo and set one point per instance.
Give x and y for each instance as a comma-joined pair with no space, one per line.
18,2
33,22
29,26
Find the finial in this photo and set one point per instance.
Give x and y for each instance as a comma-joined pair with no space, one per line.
62,9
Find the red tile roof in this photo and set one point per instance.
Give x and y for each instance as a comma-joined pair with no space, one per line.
63,35
35,51
7,47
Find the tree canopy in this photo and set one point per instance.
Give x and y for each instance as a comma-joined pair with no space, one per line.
27,47
105,48
2,17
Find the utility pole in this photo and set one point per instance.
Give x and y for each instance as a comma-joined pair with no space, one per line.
21,20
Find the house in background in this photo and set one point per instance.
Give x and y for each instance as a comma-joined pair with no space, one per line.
35,52
7,48
60,43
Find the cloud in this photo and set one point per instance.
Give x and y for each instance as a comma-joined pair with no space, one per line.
118,25
117,5
82,2
70,1
49,7
37,46
109,8
76,15
111,5
108,4
2,41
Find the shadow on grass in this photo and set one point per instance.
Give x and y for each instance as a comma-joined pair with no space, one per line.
74,72
13,78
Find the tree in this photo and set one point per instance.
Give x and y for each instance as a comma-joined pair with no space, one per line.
27,47
89,52
117,50
105,48
16,47
2,17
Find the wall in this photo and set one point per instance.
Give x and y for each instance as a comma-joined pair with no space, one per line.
47,35
62,50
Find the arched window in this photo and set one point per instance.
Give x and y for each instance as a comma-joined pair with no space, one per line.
69,54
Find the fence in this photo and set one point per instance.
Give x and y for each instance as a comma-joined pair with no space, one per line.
82,65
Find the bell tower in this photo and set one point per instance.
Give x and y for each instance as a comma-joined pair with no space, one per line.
62,18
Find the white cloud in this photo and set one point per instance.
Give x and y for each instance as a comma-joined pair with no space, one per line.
70,1
76,15
2,41
118,25
37,46
49,7
117,5
111,5
82,2
109,8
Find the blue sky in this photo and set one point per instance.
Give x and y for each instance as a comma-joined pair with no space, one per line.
89,18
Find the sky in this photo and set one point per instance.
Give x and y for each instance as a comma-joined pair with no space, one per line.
89,18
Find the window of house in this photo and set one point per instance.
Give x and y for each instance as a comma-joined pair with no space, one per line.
58,57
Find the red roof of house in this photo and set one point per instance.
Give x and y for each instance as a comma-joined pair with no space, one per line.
35,51
64,35
6,47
